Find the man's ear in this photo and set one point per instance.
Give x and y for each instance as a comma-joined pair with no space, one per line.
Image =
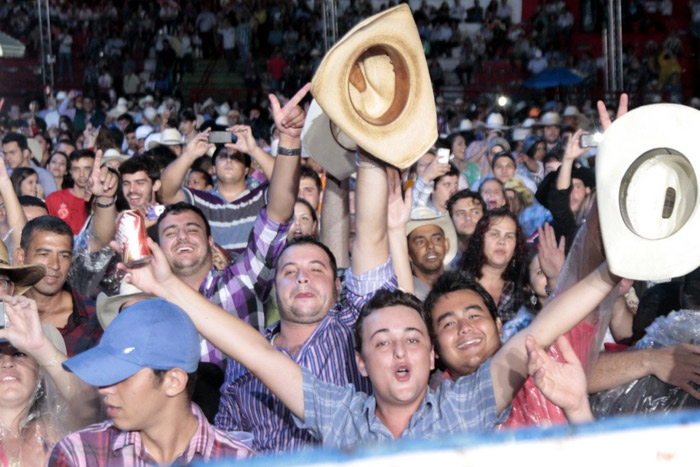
156,186
175,382
361,364
499,327
19,256
338,285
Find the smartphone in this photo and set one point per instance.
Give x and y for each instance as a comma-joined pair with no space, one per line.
443,155
590,140
222,137
4,322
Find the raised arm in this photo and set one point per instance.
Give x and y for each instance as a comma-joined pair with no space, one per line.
26,334
246,144
398,214
371,247
335,219
573,152
103,184
15,213
284,184
509,365
231,335
173,175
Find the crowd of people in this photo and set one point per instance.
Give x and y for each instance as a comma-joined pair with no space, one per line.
283,308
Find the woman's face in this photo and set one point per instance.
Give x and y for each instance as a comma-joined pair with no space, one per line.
303,223
579,191
459,147
58,165
499,242
504,169
19,374
538,280
29,185
514,204
43,143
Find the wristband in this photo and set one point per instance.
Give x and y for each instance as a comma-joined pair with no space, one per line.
108,205
288,152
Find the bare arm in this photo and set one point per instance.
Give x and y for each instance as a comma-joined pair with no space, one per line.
233,336
284,184
26,334
335,220
398,214
509,365
371,247
15,214
677,365
173,175
246,144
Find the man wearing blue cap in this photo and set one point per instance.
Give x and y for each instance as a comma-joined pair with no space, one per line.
144,367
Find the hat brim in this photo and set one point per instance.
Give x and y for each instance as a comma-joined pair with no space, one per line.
108,307
321,145
408,128
99,368
448,228
24,276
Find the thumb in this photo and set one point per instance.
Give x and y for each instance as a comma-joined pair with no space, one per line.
566,350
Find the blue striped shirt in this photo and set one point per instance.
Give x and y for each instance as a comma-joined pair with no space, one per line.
232,222
246,403
342,417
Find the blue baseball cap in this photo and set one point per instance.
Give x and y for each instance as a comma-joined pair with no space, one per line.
149,334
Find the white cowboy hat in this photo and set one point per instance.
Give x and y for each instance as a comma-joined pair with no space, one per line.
143,131
170,137
647,188
326,144
223,109
465,125
152,141
550,119
146,100
113,154
150,114
520,133
425,216
572,111
495,121
375,86
222,120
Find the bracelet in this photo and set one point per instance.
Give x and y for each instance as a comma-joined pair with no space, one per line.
108,205
288,151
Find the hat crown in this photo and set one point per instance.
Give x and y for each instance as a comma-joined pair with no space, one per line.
153,334
550,118
494,119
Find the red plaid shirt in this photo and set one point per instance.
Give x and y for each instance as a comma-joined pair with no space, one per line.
83,330
104,444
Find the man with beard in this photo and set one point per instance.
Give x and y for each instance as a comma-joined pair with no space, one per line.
432,243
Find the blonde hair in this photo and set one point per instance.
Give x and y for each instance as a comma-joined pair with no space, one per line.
518,186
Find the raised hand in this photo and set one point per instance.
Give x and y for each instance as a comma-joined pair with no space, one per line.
245,142
151,277
603,114
399,207
551,255
573,147
434,170
102,181
198,146
564,384
24,332
290,118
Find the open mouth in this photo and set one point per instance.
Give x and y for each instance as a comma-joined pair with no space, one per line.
403,373
469,343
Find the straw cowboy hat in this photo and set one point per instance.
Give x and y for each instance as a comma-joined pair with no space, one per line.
112,155
375,87
23,276
108,307
646,170
425,216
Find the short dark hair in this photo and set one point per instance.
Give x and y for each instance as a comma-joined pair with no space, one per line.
455,281
130,128
383,299
309,240
308,172
453,172
207,176
162,155
26,200
19,175
140,164
178,208
159,376
81,154
463,194
189,115
50,224
126,116
18,138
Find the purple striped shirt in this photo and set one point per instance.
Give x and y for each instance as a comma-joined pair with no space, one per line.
244,285
104,444
246,403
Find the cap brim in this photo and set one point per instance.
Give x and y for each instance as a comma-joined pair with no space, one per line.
100,368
